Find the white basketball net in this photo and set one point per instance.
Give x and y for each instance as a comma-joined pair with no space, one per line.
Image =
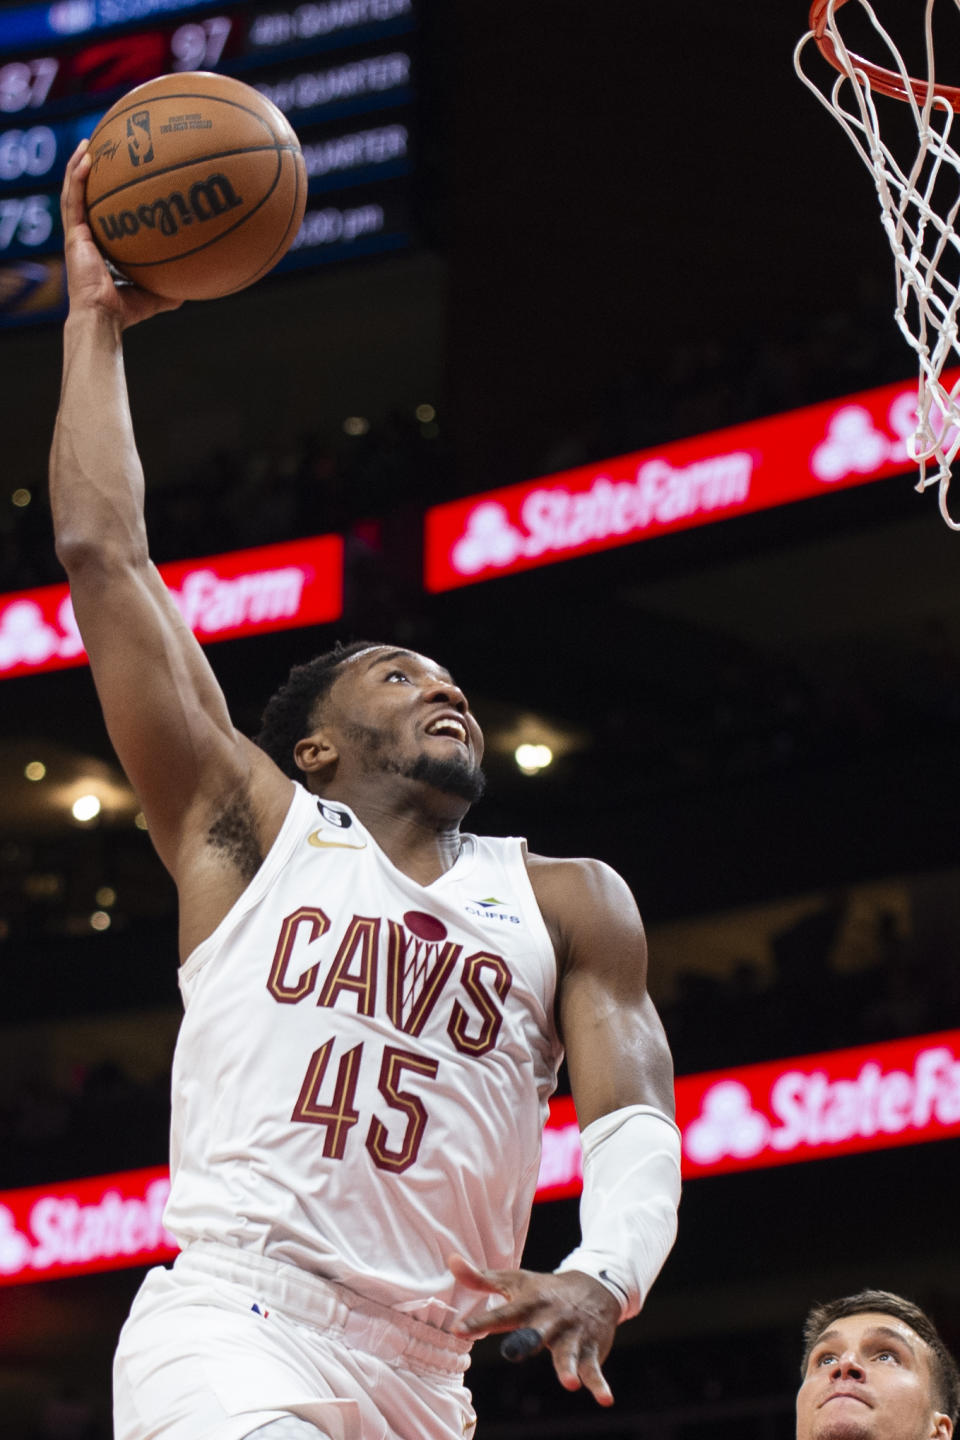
919,196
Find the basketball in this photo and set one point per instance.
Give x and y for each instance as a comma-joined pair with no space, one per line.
197,186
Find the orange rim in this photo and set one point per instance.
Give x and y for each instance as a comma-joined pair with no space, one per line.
888,82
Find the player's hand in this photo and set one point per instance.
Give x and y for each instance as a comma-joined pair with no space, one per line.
574,1315
89,282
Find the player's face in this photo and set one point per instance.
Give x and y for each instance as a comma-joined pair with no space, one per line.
869,1378
398,712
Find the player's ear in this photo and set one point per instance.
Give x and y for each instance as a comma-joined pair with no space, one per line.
942,1426
316,752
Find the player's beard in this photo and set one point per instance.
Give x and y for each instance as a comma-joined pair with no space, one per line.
452,776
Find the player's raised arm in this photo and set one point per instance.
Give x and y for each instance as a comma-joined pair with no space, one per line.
164,710
621,1075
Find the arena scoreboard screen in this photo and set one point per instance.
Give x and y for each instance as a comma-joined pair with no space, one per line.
343,71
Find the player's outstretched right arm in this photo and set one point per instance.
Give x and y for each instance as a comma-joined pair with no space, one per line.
164,710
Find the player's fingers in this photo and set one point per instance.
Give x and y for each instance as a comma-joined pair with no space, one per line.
467,1274
593,1377
577,1364
565,1349
511,1284
74,179
494,1322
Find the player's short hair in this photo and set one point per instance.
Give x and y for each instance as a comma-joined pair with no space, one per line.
291,709
943,1368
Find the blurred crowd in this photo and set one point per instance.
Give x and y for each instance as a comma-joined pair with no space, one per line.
903,984
305,485
315,482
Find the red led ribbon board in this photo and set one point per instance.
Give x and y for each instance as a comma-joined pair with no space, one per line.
83,1226
222,597
872,1097
808,1108
686,483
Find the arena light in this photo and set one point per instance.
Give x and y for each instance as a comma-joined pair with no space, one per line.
531,759
85,808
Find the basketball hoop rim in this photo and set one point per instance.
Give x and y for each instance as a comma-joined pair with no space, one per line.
888,82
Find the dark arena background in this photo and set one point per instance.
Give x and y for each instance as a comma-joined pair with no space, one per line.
551,250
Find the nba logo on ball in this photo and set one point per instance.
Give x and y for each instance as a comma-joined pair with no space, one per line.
139,142
197,185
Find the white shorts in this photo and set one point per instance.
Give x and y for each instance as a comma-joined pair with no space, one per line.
226,1341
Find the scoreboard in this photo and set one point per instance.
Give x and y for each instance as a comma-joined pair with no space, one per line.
343,71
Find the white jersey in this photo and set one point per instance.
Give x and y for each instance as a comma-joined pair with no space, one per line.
362,1074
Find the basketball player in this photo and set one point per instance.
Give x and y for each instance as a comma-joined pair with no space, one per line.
874,1368
375,1006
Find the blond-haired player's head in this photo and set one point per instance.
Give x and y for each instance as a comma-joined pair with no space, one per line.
875,1368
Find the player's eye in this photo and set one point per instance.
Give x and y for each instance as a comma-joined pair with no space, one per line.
397,675
826,1358
887,1355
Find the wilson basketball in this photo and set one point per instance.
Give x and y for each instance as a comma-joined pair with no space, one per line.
197,186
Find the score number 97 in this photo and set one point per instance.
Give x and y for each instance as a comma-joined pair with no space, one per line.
26,84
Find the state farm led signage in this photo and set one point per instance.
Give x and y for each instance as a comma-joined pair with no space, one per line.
683,484
84,1225
806,1108
243,592
868,1098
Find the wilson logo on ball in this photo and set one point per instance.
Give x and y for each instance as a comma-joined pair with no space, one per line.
206,200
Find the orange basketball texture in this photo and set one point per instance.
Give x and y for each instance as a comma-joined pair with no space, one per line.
197,186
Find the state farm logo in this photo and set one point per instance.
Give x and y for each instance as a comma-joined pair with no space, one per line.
556,519
856,443
27,639
728,1125
489,539
811,1109
15,1249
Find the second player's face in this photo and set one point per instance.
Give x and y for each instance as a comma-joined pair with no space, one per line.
869,1378
401,713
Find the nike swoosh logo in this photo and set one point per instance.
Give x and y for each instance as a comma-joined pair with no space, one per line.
314,839
615,1283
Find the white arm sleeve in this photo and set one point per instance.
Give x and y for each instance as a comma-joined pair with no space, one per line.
628,1210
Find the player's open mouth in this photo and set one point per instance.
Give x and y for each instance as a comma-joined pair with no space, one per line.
450,726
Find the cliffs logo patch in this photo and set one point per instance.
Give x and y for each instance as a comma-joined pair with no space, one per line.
493,909
139,139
